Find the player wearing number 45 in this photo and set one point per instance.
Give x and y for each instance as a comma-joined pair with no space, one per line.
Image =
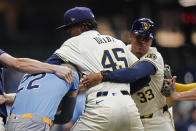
149,100
106,109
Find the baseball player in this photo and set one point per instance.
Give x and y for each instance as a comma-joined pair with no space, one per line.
149,100
37,100
25,65
106,108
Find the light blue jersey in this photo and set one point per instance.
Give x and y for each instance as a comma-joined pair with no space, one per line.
79,107
41,94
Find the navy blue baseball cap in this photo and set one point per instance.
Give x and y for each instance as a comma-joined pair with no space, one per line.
75,15
143,26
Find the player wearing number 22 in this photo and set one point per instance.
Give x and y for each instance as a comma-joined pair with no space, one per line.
106,109
37,100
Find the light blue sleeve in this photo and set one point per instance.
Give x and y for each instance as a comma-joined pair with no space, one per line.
79,108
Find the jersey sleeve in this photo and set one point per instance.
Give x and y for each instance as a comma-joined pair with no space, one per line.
1,64
75,82
54,59
79,107
68,52
184,87
1,51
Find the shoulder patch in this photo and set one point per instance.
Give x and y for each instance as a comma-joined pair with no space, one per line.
152,56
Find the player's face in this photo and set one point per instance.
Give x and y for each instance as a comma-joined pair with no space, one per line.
74,31
140,44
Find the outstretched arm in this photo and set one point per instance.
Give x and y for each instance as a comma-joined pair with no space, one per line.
125,75
189,95
33,66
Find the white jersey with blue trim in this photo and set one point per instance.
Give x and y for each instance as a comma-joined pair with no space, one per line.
149,99
41,94
93,52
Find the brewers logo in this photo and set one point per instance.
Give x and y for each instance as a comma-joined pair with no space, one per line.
145,26
72,19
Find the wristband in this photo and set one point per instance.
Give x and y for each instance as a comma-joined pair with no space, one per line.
105,75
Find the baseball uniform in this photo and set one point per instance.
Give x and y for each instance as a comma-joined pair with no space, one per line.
37,100
149,100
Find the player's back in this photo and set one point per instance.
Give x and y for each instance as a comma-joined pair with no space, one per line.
93,52
41,94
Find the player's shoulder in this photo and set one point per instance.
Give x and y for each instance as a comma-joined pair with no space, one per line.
83,36
114,39
154,52
128,46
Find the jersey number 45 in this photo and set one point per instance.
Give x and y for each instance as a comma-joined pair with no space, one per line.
114,59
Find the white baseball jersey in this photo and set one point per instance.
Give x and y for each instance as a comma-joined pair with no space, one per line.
149,99
93,52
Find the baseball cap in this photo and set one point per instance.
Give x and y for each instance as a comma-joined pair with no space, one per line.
75,15
143,26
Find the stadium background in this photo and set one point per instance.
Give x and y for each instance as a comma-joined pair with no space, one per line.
27,29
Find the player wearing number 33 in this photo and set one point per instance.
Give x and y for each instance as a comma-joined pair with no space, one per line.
109,106
37,99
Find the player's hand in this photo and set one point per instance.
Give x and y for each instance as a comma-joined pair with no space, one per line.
65,73
169,87
2,99
92,79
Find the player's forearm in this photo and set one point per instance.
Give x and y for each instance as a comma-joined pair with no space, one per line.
129,75
68,104
189,95
26,64
33,66
184,87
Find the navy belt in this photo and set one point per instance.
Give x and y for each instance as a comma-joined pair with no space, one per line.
105,93
165,108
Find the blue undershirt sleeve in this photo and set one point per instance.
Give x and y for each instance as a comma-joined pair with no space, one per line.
1,51
130,75
54,59
139,84
138,76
